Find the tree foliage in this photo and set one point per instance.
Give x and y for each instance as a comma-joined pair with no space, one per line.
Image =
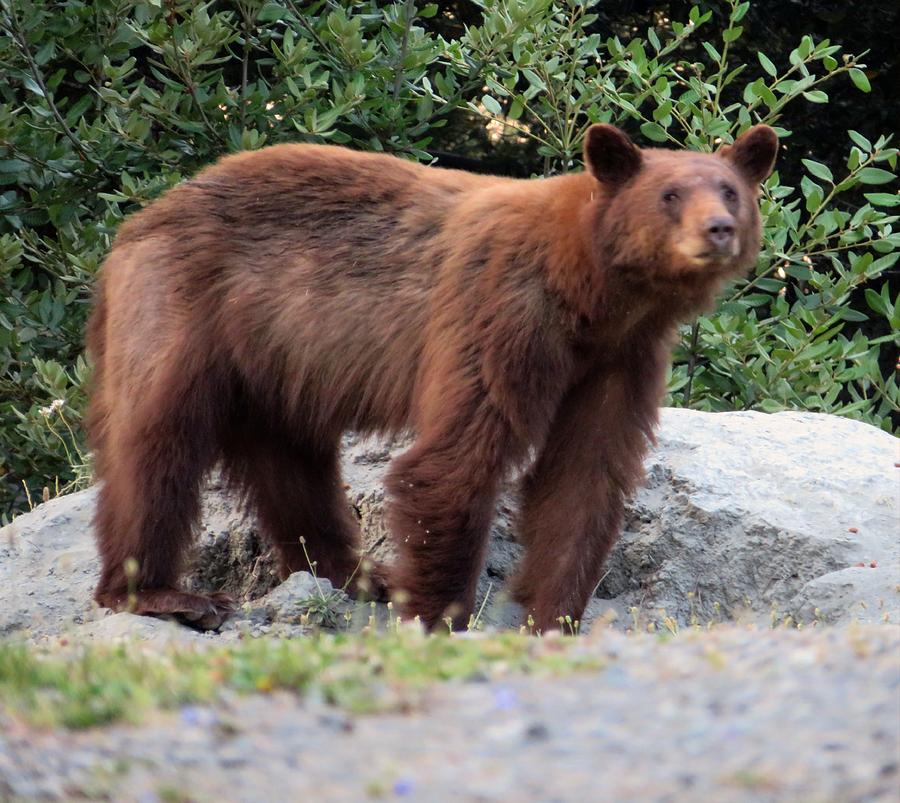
106,104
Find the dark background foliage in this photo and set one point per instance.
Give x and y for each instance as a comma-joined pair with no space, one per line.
774,26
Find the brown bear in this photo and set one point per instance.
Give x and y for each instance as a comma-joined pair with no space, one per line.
281,297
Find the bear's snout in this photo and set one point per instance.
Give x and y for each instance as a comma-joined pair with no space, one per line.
720,233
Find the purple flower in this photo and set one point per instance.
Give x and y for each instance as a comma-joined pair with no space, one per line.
403,786
197,716
505,698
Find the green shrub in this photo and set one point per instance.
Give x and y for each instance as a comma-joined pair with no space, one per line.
109,103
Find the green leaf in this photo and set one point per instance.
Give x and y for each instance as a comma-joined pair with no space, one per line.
812,192
883,198
805,48
271,12
32,85
818,170
860,79
12,165
876,302
883,263
875,175
740,10
763,92
491,105
713,53
654,131
534,79
732,34
816,96
767,64
860,140
850,314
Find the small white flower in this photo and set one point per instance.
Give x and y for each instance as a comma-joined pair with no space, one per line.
57,405
46,412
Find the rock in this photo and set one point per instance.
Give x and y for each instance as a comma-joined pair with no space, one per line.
867,593
128,626
229,554
302,594
750,510
48,566
742,514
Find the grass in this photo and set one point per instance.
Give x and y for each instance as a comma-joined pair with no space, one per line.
89,685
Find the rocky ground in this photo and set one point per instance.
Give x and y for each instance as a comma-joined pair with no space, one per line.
727,715
746,521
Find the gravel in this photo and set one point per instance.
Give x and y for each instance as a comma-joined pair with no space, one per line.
730,714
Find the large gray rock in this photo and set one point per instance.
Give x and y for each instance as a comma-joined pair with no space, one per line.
755,511
744,515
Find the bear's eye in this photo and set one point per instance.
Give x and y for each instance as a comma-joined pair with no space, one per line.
729,193
670,196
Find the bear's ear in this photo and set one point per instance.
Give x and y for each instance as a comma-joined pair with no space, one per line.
609,155
753,153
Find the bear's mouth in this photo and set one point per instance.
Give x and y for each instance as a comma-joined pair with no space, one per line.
705,258
714,257
700,255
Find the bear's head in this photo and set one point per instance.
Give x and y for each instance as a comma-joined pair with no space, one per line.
671,214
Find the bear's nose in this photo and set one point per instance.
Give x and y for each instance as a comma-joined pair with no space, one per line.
720,232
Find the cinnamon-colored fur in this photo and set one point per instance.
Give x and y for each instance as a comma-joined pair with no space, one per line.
281,297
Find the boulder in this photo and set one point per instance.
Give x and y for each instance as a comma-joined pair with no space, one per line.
743,516
756,512
48,566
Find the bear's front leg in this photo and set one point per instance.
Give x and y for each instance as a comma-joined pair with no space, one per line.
442,493
573,497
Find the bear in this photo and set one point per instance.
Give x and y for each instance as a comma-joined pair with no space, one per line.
256,312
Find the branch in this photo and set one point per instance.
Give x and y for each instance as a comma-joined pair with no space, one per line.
188,79
301,18
244,67
692,364
404,47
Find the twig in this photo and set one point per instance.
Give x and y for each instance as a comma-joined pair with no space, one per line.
188,80
404,46
244,67
692,364
311,30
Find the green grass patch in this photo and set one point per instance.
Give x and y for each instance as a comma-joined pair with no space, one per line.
79,686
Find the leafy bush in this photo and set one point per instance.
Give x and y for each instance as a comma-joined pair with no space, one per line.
109,103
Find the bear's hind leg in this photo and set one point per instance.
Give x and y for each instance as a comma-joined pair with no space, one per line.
297,492
151,461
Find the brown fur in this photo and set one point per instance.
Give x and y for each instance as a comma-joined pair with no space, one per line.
282,297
